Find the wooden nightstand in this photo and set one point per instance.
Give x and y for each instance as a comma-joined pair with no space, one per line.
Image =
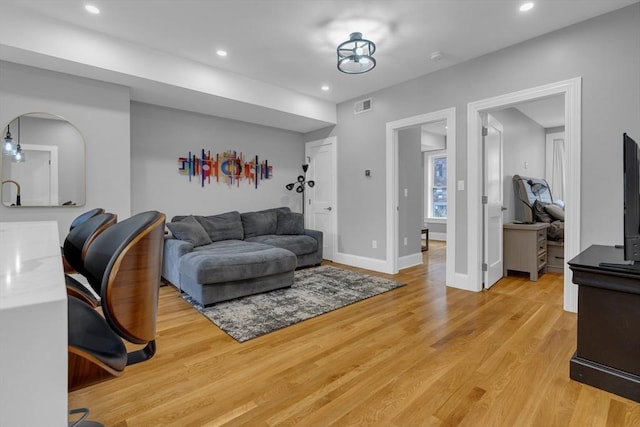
555,256
525,248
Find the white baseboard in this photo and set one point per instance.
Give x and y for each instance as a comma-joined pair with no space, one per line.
409,260
461,281
362,262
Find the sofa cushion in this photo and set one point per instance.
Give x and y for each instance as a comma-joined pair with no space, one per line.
259,223
290,223
189,230
231,260
298,244
226,226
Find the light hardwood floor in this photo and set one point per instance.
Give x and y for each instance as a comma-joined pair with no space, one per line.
421,355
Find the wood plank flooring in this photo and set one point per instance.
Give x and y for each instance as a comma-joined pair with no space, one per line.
421,355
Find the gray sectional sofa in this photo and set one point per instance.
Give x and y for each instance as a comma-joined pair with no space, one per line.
221,257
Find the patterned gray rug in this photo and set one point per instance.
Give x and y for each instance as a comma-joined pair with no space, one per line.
315,291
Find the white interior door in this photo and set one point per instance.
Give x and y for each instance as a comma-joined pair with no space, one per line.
320,200
492,137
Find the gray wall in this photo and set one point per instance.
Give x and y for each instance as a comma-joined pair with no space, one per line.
100,111
160,135
523,141
604,51
410,206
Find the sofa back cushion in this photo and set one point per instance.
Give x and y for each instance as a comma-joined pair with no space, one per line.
290,223
259,223
190,230
226,226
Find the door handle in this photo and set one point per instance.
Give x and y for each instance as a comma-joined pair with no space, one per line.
327,209
503,208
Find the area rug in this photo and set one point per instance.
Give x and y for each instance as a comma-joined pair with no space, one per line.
315,291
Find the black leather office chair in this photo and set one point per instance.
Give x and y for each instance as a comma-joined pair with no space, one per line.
123,264
75,248
85,216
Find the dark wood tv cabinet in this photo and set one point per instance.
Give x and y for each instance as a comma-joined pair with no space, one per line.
608,344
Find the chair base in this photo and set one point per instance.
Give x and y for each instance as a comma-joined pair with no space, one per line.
82,421
143,354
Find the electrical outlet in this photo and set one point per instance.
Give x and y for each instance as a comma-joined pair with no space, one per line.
405,241
374,244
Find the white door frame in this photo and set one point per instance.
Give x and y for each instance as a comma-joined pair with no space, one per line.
571,89
334,202
449,114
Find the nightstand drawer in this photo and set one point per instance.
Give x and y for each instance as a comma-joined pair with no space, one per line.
555,256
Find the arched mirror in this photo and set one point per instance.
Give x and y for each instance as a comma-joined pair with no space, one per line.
43,162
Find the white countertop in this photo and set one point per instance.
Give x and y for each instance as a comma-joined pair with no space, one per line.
33,326
30,264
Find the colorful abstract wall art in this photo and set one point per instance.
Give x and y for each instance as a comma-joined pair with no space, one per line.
228,167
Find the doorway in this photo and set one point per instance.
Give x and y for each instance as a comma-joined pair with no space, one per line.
392,187
38,176
571,90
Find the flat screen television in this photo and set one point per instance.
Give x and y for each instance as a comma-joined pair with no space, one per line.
631,218
631,159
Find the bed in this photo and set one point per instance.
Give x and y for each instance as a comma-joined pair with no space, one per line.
534,203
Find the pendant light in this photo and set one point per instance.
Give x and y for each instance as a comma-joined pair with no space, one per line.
19,157
9,146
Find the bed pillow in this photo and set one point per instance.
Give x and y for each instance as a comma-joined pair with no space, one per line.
555,211
290,223
189,230
539,213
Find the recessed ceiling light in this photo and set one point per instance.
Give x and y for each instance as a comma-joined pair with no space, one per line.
221,52
436,56
91,9
526,6
325,88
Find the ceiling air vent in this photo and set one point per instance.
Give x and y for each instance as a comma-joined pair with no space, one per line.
362,106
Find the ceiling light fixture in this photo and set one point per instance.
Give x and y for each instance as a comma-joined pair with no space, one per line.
221,52
526,6
355,56
91,9
325,88
437,56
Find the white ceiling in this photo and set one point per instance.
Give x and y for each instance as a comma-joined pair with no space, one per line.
548,112
279,46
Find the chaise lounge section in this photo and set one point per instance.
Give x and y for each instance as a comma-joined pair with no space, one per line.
221,257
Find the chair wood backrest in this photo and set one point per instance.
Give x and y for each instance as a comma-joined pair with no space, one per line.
127,257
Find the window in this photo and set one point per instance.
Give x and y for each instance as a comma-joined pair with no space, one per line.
437,186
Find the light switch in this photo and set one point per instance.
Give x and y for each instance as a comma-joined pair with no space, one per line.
406,192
